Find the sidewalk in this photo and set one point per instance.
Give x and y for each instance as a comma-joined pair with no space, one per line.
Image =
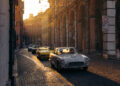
31,72
105,67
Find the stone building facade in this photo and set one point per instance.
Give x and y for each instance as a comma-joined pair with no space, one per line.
36,29
109,41
117,31
4,41
88,25
19,10
7,41
30,29
77,23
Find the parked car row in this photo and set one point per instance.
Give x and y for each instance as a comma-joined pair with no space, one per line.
41,52
62,57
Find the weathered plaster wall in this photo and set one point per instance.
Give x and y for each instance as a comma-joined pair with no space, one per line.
4,41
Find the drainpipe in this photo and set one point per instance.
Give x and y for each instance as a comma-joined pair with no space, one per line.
55,26
88,28
61,33
66,24
75,31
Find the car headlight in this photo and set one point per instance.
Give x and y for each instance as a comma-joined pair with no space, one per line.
87,60
62,61
83,56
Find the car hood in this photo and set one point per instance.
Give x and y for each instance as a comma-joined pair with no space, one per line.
44,51
72,57
30,47
34,48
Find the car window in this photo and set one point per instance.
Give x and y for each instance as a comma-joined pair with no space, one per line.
33,46
30,45
36,46
43,49
56,51
66,51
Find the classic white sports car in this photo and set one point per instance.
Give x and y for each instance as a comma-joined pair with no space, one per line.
67,57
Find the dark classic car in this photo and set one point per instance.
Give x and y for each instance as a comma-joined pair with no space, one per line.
34,49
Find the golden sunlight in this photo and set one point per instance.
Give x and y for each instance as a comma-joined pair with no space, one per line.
34,7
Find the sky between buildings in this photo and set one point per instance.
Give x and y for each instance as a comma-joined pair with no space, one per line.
34,7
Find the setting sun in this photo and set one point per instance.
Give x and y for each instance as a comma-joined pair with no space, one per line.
34,7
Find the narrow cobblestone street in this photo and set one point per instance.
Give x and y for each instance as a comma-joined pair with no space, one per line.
33,72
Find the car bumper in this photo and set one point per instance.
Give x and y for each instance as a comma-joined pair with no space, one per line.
34,51
29,49
67,66
44,56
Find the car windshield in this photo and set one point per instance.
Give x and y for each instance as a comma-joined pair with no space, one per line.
67,51
30,45
43,49
35,46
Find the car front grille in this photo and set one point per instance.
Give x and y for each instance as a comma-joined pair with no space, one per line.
76,63
45,55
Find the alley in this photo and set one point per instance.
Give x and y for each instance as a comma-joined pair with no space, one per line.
33,72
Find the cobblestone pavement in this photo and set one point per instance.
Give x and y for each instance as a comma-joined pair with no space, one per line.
31,72
101,72
105,67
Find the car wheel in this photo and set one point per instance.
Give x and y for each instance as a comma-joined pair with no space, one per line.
58,67
33,52
52,66
37,56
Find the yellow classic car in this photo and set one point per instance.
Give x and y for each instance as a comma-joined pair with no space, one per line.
43,52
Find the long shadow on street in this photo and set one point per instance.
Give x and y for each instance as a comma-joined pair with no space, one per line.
86,78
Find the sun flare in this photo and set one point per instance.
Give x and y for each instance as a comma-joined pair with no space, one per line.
34,7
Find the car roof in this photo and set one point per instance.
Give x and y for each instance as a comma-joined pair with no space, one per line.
63,47
43,47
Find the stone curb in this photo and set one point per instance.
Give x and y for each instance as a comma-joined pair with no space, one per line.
15,71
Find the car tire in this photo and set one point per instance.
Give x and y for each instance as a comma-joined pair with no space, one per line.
52,66
58,67
37,56
33,52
